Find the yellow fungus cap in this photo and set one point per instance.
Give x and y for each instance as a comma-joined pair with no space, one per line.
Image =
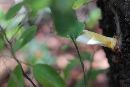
91,38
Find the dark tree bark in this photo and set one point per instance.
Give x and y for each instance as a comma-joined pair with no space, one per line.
116,22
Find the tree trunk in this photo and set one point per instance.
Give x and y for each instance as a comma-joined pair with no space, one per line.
116,22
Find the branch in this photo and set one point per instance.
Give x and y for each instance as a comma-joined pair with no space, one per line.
15,58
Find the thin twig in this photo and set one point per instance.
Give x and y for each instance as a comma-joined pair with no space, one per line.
117,22
80,58
27,77
118,31
15,58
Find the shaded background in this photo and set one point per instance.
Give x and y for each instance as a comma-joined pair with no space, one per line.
59,52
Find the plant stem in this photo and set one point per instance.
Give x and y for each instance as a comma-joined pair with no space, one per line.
80,58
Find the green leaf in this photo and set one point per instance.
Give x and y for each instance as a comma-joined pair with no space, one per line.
16,78
93,18
65,20
13,10
47,76
73,63
1,14
63,6
86,56
36,5
91,75
25,37
2,43
65,47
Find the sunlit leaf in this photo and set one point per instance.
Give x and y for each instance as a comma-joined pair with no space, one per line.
14,27
36,5
47,76
16,78
25,37
13,10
